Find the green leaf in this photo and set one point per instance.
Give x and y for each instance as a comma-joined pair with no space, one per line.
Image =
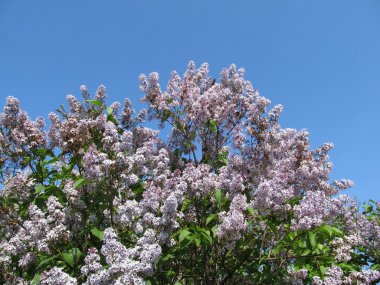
312,239
278,248
171,273
188,144
206,234
177,152
214,229
347,267
292,235
98,233
81,182
272,227
168,257
185,204
50,153
301,244
179,127
69,259
165,116
218,196
45,260
41,152
327,229
94,102
294,201
138,188
109,110
72,256
223,161
197,241
183,234
212,126
39,188
112,119
211,218
322,269
321,247
36,279
192,135
337,232
54,159
251,211
306,252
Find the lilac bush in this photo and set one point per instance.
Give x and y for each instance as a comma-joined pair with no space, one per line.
230,197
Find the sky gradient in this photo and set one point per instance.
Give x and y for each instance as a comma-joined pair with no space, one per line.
320,59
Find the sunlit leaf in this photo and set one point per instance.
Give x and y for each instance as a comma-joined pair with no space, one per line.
94,102
184,234
98,233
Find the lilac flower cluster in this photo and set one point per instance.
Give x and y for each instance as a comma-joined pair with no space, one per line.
126,266
334,276
57,276
297,277
233,222
18,136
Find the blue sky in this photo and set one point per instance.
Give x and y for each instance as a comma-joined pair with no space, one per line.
320,59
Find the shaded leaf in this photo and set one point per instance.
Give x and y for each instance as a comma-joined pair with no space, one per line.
177,152
81,182
197,241
185,204
138,188
45,260
206,235
165,116
167,257
212,126
211,218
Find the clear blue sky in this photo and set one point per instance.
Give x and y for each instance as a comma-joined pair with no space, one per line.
320,59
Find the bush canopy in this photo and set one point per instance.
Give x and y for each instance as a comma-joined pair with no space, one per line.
230,197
